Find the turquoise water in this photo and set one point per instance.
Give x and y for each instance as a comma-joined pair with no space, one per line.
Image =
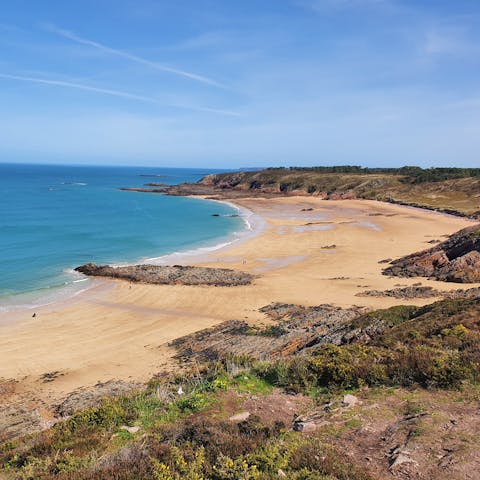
54,218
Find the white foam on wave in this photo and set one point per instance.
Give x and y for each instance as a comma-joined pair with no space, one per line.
253,224
71,288
61,294
43,297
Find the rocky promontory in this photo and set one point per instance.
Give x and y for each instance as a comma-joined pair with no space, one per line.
144,190
412,186
170,275
455,260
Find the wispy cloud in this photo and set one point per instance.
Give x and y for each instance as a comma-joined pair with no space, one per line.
78,86
447,41
111,92
321,5
134,58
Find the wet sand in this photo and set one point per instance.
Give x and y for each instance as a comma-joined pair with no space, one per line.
120,330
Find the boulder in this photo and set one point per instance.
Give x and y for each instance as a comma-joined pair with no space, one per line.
239,417
131,430
350,401
305,427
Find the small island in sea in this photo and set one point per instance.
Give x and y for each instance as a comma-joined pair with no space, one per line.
340,339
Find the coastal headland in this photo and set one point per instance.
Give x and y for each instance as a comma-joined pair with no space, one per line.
309,252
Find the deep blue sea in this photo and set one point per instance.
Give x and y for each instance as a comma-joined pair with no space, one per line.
54,218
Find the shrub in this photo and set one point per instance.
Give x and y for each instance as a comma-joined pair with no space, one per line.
110,413
178,467
330,366
238,469
192,403
427,367
347,367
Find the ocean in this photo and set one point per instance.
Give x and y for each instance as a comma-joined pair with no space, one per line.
54,218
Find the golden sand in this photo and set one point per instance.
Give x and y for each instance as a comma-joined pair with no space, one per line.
119,330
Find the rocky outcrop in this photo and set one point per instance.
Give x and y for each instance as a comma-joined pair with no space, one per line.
455,260
403,292
460,190
413,291
210,190
448,211
296,329
144,190
86,397
170,275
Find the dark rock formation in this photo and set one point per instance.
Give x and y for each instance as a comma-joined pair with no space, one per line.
455,260
170,275
208,189
86,397
297,328
421,292
144,190
460,190
403,292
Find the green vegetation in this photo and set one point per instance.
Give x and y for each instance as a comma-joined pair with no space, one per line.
437,346
251,383
452,190
177,439
411,174
185,436
388,317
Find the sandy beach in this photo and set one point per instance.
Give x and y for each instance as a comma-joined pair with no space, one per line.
119,330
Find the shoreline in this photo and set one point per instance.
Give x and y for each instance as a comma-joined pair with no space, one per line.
200,254
63,297
194,256
309,252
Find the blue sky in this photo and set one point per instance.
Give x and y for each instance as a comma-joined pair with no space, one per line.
229,83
